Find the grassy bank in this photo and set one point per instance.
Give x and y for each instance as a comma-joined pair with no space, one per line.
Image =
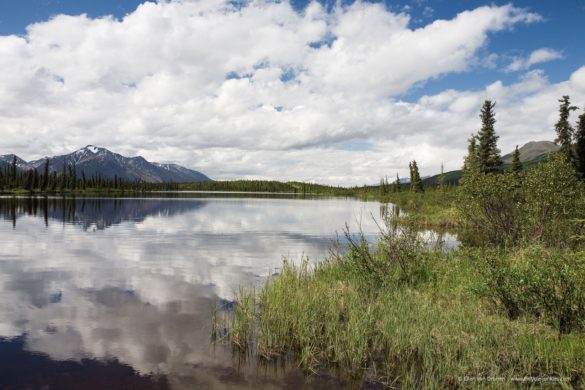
407,316
430,209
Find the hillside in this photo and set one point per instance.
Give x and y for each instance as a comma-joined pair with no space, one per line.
93,161
530,154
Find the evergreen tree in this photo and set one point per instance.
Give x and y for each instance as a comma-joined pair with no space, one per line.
84,180
471,160
13,171
442,184
580,145
45,181
36,181
73,175
516,163
53,185
29,183
415,181
398,184
564,129
490,160
64,177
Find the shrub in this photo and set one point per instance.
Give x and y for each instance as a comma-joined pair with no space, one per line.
536,208
548,284
398,257
492,203
553,197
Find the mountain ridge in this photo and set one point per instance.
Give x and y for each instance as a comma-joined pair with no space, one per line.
531,153
98,161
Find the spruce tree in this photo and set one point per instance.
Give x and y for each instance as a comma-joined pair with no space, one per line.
580,145
13,171
490,160
84,181
516,163
64,177
415,181
29,183
442,178
36,181
45,181
564,129
398,184
53,185
471,160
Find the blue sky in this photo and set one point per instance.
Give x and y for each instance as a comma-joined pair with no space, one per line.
246,91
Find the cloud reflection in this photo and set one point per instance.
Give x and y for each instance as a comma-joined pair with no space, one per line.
134,280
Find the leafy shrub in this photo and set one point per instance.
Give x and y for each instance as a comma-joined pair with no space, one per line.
548,284
552,198
537,207
399,257
492,203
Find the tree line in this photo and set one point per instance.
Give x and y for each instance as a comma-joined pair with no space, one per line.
483,151
537,205
69,179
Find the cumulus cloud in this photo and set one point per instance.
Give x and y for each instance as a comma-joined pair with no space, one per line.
536,57
253,90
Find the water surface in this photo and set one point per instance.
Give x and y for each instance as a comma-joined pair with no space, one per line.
117,292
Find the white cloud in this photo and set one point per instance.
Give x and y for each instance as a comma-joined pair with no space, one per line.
209,86
536,57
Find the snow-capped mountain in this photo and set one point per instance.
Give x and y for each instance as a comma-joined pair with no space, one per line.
93,160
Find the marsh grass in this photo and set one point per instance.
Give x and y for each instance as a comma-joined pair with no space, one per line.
432,208
402,315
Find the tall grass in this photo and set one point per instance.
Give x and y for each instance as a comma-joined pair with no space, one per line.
403,315
432,208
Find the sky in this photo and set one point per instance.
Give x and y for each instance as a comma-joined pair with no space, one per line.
339,93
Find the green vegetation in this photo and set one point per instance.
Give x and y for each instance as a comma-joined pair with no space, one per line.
488,154
564,129
580,145
406,314
266,186
435,208
69,181
415,182
534,207
516,163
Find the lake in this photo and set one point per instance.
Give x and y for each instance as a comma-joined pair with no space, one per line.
118,292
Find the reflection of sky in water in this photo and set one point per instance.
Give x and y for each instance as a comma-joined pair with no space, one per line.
133,279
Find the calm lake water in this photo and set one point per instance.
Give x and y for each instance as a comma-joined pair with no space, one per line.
117,292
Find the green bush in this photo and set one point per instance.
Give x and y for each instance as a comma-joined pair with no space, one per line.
493,204
399,257
538,207
553,197
547,284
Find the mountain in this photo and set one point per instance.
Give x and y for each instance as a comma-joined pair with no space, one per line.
534,150
94,160
531,154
